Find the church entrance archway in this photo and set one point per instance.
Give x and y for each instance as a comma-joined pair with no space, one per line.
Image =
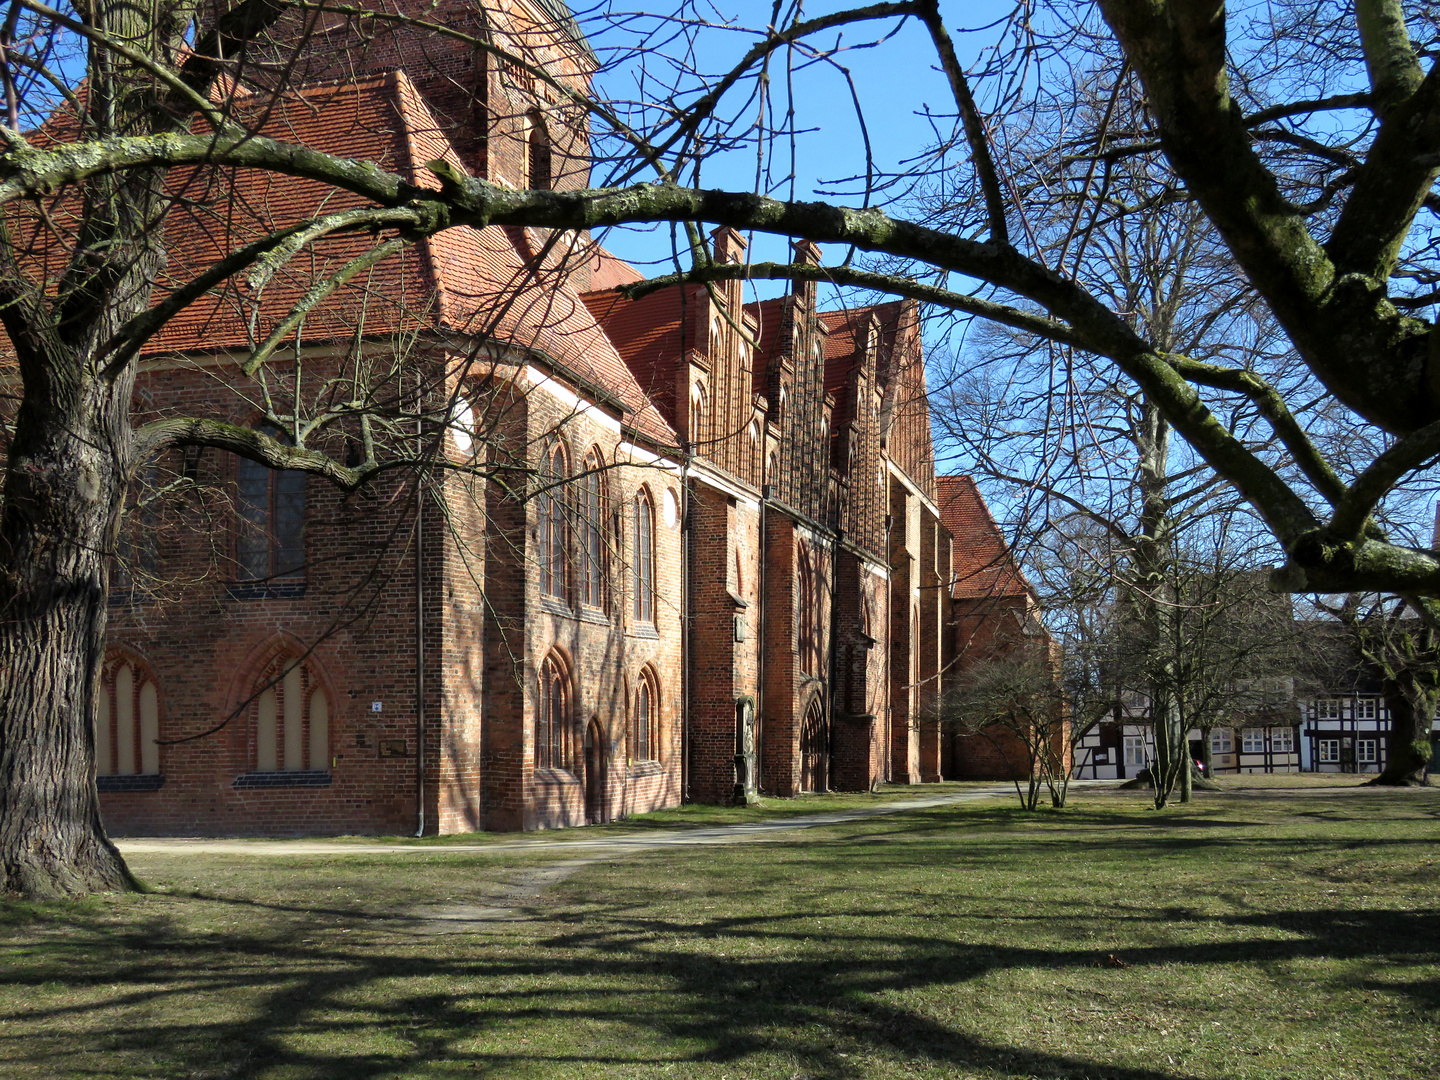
813,748
594,774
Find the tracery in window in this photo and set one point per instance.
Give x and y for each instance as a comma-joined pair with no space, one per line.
644,726
553,738
554,534
270,505
592,532
642,562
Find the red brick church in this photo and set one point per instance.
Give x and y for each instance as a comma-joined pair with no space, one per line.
704,557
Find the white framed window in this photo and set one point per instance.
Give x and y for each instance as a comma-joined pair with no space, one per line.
1221,741
1282,740
1365,751
1252,740
1328,751
1135,750
1327,709
1366,708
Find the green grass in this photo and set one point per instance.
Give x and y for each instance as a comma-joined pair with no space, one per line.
1258,933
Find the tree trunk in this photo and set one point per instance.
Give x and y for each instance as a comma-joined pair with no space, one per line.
1408,749
64,490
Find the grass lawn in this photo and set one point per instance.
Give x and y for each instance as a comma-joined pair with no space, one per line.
1262,932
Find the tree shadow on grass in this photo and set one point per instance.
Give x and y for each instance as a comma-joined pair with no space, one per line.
244,1004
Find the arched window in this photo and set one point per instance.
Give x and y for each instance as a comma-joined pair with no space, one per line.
127,722
271,508
553,531
592,527
642,564
552,716
697,413
807,623
644,723
717,338
538,152
292,720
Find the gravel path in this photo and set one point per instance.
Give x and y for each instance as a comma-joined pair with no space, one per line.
513,902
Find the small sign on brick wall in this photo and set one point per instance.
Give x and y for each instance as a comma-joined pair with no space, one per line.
393,748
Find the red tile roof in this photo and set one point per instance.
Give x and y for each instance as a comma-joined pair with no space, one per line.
981,561
494,283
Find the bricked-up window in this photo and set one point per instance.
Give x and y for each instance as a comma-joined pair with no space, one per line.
127,723
697,413
644,735
552,717
292,721
808,629
642,565
271,508
539,161
592,532
553,531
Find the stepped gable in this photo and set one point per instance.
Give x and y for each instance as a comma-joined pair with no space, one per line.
845,344
981,561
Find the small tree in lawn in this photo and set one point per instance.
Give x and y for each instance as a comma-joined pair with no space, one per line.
1015,701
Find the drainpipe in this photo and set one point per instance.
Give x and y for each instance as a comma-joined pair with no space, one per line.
419,645
686,539
831,683
765,490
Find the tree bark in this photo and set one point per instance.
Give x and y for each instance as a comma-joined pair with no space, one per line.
1407,748
64,490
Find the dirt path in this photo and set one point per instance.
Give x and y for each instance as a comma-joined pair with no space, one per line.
528,884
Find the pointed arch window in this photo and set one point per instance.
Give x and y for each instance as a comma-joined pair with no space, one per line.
808,642
552,717
127,728
292,721
554,535
539,154
270,504
592,527
642,563
644,725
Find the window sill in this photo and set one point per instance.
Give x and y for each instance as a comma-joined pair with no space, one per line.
131,782
282,778
562,777
555,606
594,615
639,770
645,630
265,590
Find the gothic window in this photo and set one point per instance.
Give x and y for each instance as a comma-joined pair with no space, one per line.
592,528
697,413
271,508
642,564
809,619
127,722
292,720
553,531
538,152
552,716
644,734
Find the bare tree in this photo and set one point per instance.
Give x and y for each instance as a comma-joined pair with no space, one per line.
116,113
1014,700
